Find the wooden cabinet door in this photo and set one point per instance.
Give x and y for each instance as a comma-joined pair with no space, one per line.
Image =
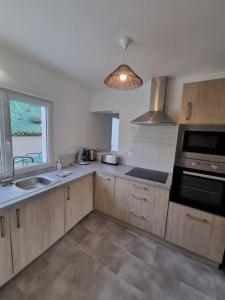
6,270
78,201
120,205
35,226
104,193
186,111
203,102
156,210
197,231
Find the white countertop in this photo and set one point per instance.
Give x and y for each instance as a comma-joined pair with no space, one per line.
12,195
121,170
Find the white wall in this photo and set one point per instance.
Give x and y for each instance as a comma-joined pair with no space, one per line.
129,104
74,124
150,147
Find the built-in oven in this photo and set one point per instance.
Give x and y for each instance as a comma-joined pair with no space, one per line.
205,142
200,189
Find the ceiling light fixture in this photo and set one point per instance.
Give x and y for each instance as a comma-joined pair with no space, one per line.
123,77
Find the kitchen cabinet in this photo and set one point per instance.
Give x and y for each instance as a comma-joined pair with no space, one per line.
120,205
78,201
141,205
104,193
35,226
197,231
6,271
203,102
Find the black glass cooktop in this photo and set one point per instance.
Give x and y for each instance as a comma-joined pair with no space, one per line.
148,174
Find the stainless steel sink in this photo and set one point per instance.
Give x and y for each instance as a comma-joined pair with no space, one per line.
34,183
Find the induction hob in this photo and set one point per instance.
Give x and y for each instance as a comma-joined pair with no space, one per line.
147,174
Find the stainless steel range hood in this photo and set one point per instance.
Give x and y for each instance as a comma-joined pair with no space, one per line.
157,114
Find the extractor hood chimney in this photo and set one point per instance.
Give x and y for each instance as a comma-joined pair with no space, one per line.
157,114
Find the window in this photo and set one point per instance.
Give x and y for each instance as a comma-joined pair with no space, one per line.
115,132
1,154
26,124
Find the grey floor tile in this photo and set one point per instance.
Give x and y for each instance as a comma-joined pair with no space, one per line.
204,278
150,280
53,288
110,230
93,223
61,253
31,273
137,273
104,251
189,293
46,285
75,295
137,245
119,289
11,292
78,233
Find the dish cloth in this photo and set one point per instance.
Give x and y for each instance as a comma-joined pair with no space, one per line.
62,174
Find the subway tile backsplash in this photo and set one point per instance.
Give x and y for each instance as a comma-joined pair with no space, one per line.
152,147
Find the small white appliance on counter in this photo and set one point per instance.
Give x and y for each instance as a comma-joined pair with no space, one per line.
82,156
110,159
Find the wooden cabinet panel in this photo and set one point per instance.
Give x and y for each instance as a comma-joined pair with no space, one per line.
78,201
141,205
6,270
197,231
35,226
203,102
120,206
104,193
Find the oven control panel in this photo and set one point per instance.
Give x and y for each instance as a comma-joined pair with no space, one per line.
198,164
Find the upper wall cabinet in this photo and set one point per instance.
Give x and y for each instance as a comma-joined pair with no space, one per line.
203,102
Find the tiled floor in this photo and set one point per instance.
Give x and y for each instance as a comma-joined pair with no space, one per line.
100,260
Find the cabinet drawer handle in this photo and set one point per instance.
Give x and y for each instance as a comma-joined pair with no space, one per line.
2,224
197,219
189,110
137,216
68,193
140,198
18,222
105,178
140,187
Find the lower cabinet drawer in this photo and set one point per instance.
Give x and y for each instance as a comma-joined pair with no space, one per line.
197,231
141,205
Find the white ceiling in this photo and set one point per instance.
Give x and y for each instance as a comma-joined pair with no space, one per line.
79,37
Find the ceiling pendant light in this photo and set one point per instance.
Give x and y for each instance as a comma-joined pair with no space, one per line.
123,77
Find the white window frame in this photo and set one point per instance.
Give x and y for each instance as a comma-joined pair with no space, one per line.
115,116
6,136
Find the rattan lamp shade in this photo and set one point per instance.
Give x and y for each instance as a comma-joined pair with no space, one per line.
130,79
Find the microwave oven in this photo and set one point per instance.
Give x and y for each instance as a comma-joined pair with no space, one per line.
204,142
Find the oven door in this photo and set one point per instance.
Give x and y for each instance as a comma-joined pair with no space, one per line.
202,142
199,189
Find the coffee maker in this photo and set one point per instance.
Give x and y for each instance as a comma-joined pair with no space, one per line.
83,156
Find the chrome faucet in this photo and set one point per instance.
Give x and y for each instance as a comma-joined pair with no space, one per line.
13,163
9,180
